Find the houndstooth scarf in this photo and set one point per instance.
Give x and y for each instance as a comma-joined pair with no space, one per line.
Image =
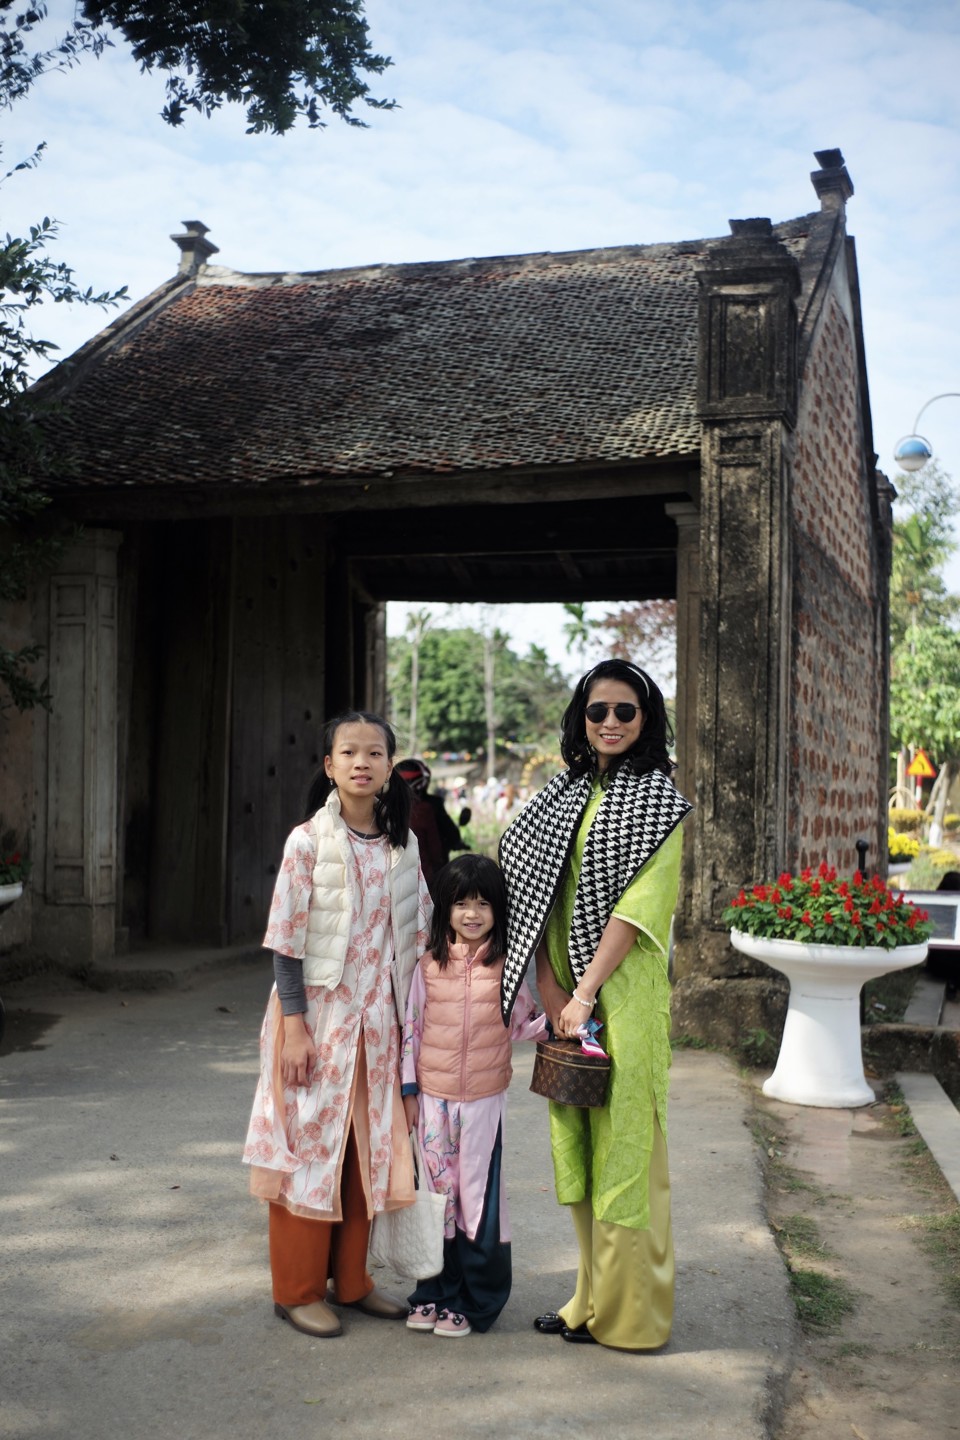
636,815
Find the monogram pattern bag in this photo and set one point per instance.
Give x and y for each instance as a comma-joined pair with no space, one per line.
563,1072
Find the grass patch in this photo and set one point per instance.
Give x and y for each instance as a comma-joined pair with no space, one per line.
899,1110
853,1350
822,1300
939,1232
798,1235
940,1237
757,1048
690,1042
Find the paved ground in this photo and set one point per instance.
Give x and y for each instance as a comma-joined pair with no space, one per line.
134,1269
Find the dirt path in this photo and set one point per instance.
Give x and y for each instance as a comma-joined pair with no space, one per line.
848,1194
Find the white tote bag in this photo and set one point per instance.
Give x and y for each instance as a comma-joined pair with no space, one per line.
410,1241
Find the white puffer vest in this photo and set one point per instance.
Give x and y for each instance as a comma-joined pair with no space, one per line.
332,901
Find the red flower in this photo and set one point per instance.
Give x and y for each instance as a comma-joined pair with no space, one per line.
876,907
786,880
848,906
880,926
805,874
785,912
858,877
824,870
815,888
775,896
828,918
806,918
760,892
843,889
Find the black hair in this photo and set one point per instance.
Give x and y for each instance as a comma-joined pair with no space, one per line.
651,750
391,808
461,878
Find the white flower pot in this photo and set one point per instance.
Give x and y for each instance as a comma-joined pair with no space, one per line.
820,1060
9,893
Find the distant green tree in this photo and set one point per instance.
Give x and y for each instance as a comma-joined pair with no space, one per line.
925,691
530,693
578,629
924,640
923,540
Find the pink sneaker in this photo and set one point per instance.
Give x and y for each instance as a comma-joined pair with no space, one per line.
449,1322
422,1317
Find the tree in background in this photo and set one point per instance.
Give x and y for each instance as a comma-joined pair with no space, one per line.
924,640
578,630
646,633
280,61
529,693
922,543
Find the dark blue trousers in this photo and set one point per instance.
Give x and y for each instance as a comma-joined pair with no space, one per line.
477,1274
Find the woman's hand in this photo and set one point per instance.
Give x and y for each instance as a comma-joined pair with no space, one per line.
298,1055
572,1016
411,1108
553,997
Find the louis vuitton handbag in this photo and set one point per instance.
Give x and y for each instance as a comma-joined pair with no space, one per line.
563,1071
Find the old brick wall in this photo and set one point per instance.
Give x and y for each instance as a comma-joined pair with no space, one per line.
837,720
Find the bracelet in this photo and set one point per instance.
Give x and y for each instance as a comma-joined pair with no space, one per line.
589,1004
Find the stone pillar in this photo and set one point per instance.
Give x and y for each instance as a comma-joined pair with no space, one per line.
686,516
747,401
75,919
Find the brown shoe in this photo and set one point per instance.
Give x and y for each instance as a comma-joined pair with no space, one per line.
380,1306
316,1319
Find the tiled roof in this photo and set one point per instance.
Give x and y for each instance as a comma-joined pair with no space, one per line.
470,365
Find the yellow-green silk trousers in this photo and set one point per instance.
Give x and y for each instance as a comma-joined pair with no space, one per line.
625,1280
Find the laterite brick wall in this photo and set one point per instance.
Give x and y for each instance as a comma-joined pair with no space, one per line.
837,728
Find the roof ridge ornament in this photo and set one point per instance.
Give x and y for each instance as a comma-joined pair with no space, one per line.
832,181
195,250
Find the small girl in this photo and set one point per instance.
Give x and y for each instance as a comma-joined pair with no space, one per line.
327,1142
456,1069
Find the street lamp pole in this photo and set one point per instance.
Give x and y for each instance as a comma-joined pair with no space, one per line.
914,450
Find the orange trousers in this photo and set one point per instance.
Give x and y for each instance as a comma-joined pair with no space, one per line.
306,1254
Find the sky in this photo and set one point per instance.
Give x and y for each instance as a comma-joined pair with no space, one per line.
548,125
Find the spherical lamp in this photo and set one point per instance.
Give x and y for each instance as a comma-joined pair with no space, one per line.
912,453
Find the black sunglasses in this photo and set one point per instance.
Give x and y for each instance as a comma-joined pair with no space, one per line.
624,712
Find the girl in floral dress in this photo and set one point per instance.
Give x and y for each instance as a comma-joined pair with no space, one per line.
456,1069
327,1142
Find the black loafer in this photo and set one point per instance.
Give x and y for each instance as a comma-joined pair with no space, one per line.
580,1336
549,1324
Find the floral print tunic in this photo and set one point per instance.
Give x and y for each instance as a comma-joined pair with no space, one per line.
297,1134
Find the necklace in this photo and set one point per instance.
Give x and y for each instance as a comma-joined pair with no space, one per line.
363,834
